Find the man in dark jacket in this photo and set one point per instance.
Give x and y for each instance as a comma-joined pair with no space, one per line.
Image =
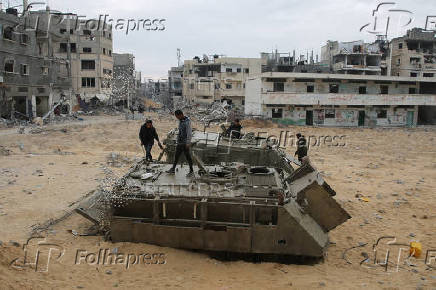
301,147
234,131
147,135
183,142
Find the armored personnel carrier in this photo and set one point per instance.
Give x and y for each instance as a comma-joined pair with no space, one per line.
247,196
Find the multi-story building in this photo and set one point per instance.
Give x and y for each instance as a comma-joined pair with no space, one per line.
32,78
285,62
340,99
90,55
218,79
175,81
355,57
124,79
414,55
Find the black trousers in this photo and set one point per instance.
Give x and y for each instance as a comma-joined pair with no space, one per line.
181,148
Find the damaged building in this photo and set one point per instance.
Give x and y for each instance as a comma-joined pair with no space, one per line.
124,81
32,78
175,81
339,99
90,55
414,56
355,57
285,62
218,78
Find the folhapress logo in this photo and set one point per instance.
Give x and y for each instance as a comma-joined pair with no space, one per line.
38,254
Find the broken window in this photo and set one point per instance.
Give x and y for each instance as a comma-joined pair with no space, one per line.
277,113
238,70
8,33
415,60
88,82
24,69
104,50
330,113
73,47
88,64
86,32
382,114
362,90
310,89
87,50
429,59
229,70
279,87
400,45
412,45
247,70
44,70
384,90
62,31
412,91
428,75
334,88
228,86
9,66
413,74
24,39
63,47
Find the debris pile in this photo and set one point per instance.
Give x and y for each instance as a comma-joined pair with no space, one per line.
4,151
117,160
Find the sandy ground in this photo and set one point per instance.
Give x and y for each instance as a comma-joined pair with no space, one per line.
394,170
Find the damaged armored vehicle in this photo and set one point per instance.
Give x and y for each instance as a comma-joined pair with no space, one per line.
247,196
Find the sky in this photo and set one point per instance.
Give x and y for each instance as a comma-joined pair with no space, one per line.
243,28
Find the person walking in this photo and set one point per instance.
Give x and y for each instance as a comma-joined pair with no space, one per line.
147,135
183,143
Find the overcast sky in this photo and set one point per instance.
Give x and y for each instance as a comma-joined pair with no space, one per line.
241,28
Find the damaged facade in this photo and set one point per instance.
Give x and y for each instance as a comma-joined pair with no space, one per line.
414,56
339,99
32,78
175,81
90,55
124,87
355,57
218,78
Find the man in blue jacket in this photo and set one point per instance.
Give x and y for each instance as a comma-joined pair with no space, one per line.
183,142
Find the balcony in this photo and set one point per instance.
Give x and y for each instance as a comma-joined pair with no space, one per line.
321,99
343,66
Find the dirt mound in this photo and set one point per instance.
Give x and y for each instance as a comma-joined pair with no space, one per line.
258,124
